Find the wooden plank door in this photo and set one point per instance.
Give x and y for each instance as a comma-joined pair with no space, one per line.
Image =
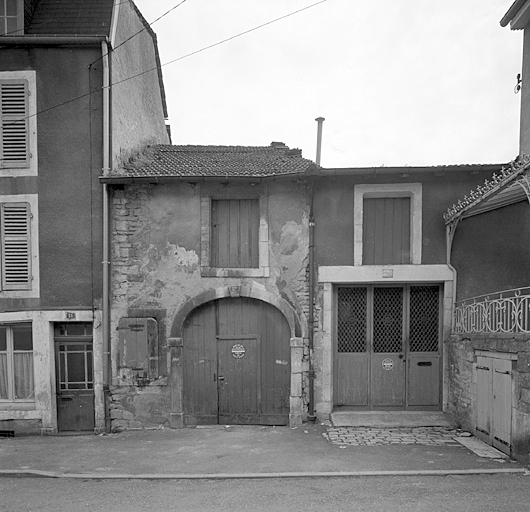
253,390
239,379
242,316
502,404
484,398
388,364
200,366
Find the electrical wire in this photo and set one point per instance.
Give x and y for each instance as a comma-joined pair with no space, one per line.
171,61
142,30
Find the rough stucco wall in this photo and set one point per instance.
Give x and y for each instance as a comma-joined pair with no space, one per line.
334,211
490,251
69,145
137,112
156,265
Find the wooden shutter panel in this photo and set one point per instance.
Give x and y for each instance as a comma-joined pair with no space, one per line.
14,123
139,345
235,230
16,254
386,231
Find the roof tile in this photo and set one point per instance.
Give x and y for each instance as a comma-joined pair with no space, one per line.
216,161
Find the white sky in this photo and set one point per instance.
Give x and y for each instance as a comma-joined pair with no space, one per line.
400,82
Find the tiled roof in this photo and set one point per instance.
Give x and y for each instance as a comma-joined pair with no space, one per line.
216,161
68,17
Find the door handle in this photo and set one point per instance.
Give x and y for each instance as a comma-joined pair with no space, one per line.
221,377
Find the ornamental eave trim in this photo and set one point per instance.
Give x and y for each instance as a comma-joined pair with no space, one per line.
491,187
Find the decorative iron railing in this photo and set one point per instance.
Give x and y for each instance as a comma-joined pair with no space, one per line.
502,312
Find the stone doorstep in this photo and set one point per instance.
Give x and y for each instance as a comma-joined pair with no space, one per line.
391,419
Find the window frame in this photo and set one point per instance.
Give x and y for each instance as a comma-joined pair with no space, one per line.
412,190
31,168
207,270
33,287
10,352
19,17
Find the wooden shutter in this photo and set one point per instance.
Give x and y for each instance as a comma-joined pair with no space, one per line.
386,231
235,230
139,345
14,123
15,240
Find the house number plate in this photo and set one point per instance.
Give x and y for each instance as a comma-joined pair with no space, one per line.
238,351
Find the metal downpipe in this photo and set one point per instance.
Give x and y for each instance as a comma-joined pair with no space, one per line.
312,271
105,321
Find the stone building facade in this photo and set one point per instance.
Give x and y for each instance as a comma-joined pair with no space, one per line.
171,263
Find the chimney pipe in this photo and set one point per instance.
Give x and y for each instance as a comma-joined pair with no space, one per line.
319,120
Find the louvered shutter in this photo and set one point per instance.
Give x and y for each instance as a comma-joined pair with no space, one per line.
14,118
16,254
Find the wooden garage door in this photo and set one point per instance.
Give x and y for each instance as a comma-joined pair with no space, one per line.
237,365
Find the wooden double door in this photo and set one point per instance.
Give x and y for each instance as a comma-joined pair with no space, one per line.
237,364
387,349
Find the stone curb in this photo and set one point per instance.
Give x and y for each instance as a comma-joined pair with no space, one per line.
24,473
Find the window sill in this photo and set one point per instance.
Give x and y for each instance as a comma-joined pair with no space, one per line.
234,272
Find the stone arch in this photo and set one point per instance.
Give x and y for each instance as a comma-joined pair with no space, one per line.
251,290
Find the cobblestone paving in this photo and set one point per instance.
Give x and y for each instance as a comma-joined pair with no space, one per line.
355,436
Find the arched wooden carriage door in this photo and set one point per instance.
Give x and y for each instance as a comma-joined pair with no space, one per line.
387,350
236,362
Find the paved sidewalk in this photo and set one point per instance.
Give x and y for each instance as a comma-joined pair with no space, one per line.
237,452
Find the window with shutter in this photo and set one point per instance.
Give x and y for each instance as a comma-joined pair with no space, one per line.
387,224
15,241
18,123
235,228
14,111
235,236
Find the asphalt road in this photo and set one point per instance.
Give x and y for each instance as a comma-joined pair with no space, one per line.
507,493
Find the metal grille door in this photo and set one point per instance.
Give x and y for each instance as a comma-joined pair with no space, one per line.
424,324
423,375
387,364
387,346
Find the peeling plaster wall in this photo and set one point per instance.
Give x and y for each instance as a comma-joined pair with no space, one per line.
156,247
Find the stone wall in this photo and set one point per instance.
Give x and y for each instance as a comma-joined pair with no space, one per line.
462,360
156,270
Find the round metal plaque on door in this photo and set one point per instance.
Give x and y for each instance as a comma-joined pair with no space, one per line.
387,364
238,351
